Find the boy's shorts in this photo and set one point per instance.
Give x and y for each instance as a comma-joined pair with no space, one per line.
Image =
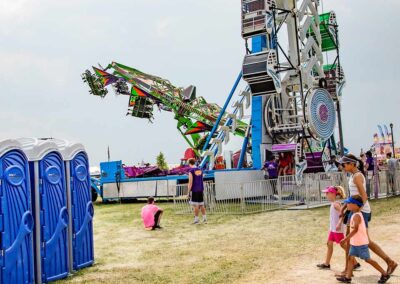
335,237
360,251
197,199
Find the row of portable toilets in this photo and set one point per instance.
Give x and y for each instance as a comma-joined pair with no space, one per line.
46,213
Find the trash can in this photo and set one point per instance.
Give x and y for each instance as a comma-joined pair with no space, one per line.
16,217
49,197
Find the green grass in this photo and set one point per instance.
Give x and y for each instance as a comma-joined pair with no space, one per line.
231,248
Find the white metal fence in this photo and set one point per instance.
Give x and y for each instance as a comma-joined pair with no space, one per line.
281,193
384,185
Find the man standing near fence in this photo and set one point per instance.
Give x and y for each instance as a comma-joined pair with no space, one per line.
195,191
369,169
271,168
391,173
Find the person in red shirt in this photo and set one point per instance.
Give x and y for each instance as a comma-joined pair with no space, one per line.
283,164
151,215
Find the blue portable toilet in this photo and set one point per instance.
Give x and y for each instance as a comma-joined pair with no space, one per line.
16,219
50,209
80,206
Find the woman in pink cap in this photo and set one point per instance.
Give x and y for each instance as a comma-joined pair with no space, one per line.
336,229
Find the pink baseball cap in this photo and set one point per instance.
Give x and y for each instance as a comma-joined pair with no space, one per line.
330,189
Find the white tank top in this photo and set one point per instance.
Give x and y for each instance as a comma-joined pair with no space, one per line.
334,219
354,191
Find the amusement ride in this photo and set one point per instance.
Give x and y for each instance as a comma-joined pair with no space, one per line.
294,87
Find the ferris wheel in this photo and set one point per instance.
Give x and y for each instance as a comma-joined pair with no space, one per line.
285,66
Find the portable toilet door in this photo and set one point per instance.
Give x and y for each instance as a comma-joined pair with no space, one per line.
16,220
51,236
79,202
82,212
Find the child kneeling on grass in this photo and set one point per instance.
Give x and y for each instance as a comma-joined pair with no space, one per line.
359,240
151,215
336,227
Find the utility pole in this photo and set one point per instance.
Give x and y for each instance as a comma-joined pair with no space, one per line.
391,131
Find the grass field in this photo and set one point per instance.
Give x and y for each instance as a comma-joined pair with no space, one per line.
271,247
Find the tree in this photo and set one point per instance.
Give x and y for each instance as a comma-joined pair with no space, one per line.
161,163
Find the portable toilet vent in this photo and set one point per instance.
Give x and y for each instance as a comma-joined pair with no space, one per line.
79,201
16,219
50,209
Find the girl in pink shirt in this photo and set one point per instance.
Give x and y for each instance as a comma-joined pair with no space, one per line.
336,228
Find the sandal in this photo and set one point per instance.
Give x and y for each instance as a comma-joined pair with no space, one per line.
392,268
344,279
324,266
384,279
357,266
342,274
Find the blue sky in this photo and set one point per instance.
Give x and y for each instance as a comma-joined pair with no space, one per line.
45,46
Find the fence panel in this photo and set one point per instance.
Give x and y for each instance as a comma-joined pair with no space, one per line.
281,193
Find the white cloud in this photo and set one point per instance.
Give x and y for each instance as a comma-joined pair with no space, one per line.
14,13
162,27
394,2
33,68
341,7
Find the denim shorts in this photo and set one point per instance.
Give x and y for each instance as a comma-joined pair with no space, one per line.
360,251
367,218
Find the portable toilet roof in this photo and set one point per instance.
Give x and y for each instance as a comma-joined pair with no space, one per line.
68,149
8,145
36,149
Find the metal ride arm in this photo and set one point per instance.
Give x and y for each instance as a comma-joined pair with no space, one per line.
196,118
244,147
222,112
216,147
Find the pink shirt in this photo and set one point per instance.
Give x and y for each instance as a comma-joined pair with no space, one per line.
361,237
148,212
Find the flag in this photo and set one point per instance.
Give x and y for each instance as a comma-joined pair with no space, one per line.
388,135
381,133
386,132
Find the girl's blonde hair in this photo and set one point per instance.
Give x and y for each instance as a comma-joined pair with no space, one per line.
340,192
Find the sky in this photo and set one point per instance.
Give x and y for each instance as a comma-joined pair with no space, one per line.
45,46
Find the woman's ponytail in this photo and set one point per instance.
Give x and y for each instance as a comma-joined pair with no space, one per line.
360,166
